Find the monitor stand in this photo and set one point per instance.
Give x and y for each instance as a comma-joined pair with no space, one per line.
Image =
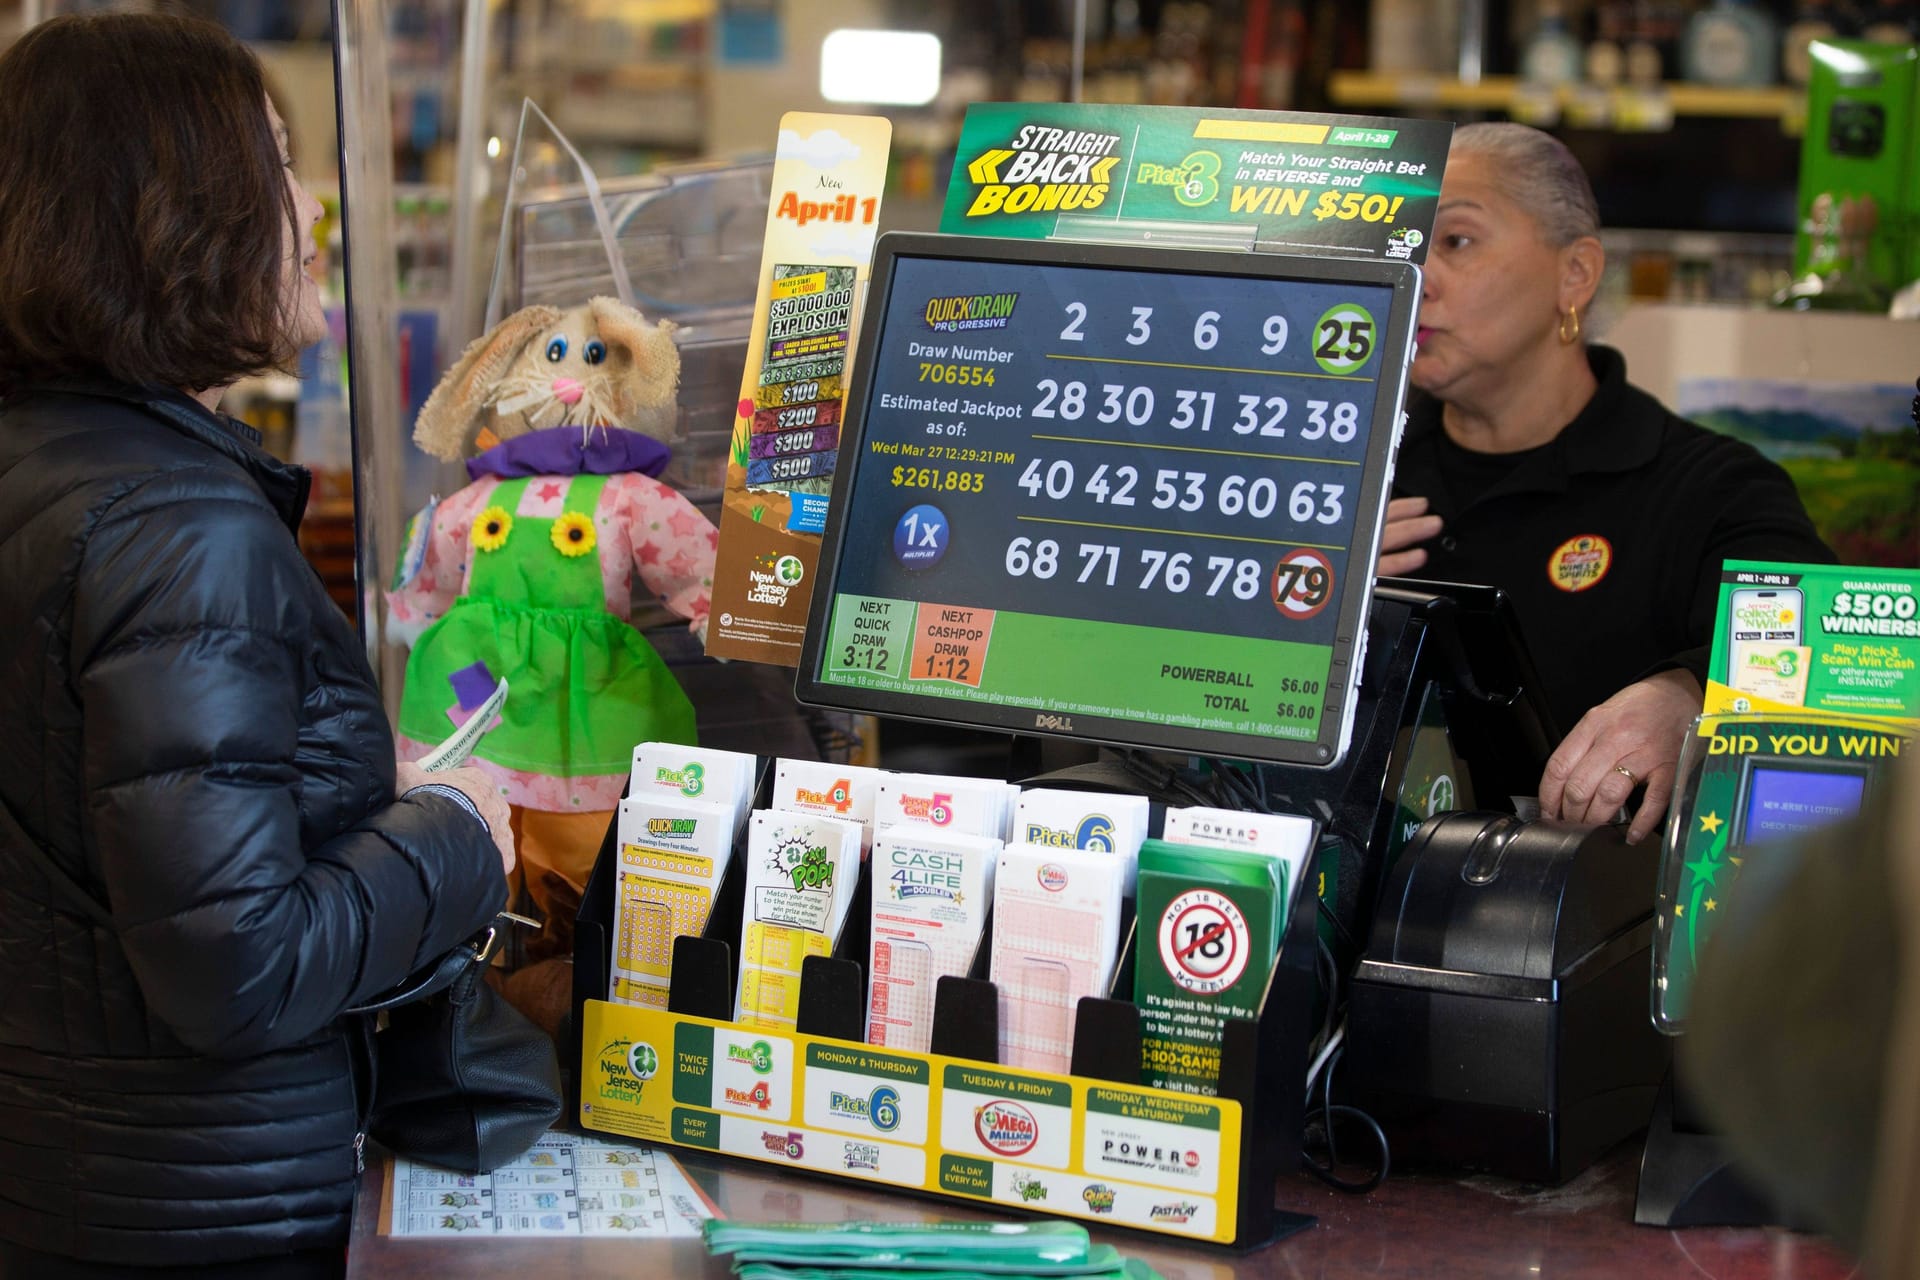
1687,1178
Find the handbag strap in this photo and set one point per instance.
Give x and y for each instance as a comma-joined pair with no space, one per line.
475,952
78,900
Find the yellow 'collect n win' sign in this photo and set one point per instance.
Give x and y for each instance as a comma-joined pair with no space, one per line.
1137,1157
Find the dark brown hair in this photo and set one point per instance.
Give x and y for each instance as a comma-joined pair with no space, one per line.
144,213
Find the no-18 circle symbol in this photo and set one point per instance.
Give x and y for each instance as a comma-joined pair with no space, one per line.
1204,941
1302,584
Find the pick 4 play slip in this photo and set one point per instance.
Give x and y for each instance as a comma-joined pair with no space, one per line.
846,791
931,892
801,872
673,853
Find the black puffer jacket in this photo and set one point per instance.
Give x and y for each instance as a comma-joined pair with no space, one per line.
189,729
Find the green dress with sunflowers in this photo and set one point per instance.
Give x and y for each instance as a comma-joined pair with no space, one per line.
585,686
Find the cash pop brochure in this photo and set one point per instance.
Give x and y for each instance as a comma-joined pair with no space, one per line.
1278,181
829,172
1797,638
800,880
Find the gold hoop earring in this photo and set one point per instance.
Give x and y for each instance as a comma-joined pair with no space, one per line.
1570,328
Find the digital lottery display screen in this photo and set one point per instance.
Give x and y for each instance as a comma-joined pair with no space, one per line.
1785,799
1117,493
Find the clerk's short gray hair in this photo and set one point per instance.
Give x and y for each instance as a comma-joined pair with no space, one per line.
1538,173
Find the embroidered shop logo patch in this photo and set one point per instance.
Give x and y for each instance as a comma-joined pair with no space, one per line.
1580,562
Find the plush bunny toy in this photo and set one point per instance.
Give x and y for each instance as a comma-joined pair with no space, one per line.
527,573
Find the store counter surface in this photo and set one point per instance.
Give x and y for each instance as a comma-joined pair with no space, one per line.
1414,1226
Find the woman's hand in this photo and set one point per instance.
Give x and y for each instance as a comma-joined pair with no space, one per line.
1407,525
476,786
1640,730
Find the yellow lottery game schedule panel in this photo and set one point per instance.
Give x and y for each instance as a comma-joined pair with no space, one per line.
1137,1157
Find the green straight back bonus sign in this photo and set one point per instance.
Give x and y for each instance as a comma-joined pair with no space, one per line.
1327,185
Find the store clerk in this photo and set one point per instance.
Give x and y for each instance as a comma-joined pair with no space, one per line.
1531,464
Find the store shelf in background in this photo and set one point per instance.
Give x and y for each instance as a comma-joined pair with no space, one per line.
1667,343
1586,106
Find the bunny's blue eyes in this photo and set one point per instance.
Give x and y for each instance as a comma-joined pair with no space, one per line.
596,351
557,350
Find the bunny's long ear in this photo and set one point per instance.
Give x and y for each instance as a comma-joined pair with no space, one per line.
646,392
451,415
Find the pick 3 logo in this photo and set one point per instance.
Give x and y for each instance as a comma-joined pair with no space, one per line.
758,1055
691,780
1006,1128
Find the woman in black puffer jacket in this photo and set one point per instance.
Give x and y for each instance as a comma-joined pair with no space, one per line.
202,857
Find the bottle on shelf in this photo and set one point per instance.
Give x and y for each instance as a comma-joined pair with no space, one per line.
1607,54
1731,43
1812,20
1838,278
1892,22
1653,42
1552,55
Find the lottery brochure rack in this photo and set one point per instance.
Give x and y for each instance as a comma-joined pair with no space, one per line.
950,1123
1117,491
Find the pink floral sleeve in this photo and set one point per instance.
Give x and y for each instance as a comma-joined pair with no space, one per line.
673,544
417,604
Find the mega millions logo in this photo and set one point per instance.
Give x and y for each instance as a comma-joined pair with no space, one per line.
1051,876
1043,169
691,780
881,1108
1006,1128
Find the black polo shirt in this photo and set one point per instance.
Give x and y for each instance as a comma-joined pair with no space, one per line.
1609,539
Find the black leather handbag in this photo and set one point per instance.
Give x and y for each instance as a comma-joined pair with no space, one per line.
462,1079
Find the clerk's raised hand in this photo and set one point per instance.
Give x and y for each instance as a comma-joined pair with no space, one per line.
1408,525
1632,739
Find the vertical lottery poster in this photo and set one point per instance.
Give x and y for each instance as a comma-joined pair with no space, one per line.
1327,185
823,215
